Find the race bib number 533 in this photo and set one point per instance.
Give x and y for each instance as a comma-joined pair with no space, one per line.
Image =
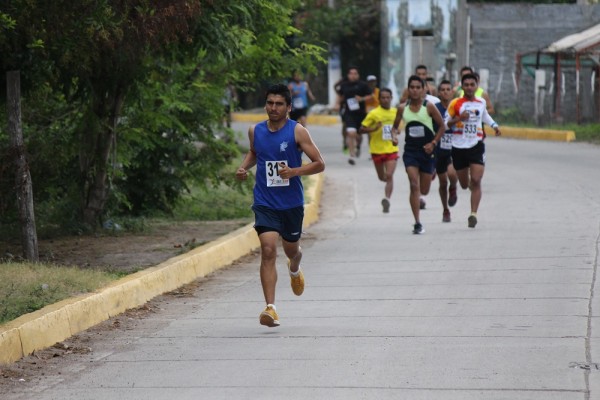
470,130
272,172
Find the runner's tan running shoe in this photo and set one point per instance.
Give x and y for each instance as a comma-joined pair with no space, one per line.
297,281
269,317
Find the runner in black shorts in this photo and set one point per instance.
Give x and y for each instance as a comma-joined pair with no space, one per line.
352,96
288,223
443,166
463,158
466,116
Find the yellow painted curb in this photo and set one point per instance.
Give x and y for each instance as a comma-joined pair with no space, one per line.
10,344
56,322
533,133
311,119
507,131
311,210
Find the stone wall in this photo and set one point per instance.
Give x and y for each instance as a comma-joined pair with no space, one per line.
501,31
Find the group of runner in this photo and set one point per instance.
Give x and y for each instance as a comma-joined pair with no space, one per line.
439,133
443,136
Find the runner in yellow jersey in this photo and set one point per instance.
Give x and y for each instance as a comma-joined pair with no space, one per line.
378,124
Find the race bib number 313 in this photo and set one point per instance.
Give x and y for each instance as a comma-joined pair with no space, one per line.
272,172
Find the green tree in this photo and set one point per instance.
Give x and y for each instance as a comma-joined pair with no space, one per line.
146,74
353,26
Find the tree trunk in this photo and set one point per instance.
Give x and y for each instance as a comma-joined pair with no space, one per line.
23,186
95,164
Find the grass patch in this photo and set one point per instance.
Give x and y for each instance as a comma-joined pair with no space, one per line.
27,287
214,203
585,133
220,202
589,132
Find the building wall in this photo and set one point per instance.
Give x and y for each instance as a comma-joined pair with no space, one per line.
499,32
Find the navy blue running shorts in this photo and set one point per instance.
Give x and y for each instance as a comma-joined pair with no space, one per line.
288,223
418,158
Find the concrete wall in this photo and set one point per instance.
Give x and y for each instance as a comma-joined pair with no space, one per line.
501,31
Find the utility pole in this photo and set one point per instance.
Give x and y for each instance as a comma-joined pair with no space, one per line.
334,66
23,186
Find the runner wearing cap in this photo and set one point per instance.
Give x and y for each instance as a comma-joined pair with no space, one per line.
373,102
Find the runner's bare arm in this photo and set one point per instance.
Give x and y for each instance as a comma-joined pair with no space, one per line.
309,92
396,123
404,96
338,102
364,98
365,129
488,103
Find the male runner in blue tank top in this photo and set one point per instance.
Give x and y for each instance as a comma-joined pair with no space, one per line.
276,147
300,94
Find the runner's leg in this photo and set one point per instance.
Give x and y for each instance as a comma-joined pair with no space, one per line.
413,180
475,185
268,270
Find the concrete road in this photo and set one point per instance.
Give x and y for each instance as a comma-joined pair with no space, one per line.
508,310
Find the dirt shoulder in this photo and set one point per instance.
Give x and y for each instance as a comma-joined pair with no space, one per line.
128,252
125,252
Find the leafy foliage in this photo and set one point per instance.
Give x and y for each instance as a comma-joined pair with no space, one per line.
352,26
529,1
121,99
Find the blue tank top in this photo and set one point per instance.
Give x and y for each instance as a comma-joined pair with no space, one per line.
299,97
446,141
271,149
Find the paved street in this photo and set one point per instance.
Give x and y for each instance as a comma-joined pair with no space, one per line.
508,310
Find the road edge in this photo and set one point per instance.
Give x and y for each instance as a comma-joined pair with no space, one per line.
507,131
59,321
